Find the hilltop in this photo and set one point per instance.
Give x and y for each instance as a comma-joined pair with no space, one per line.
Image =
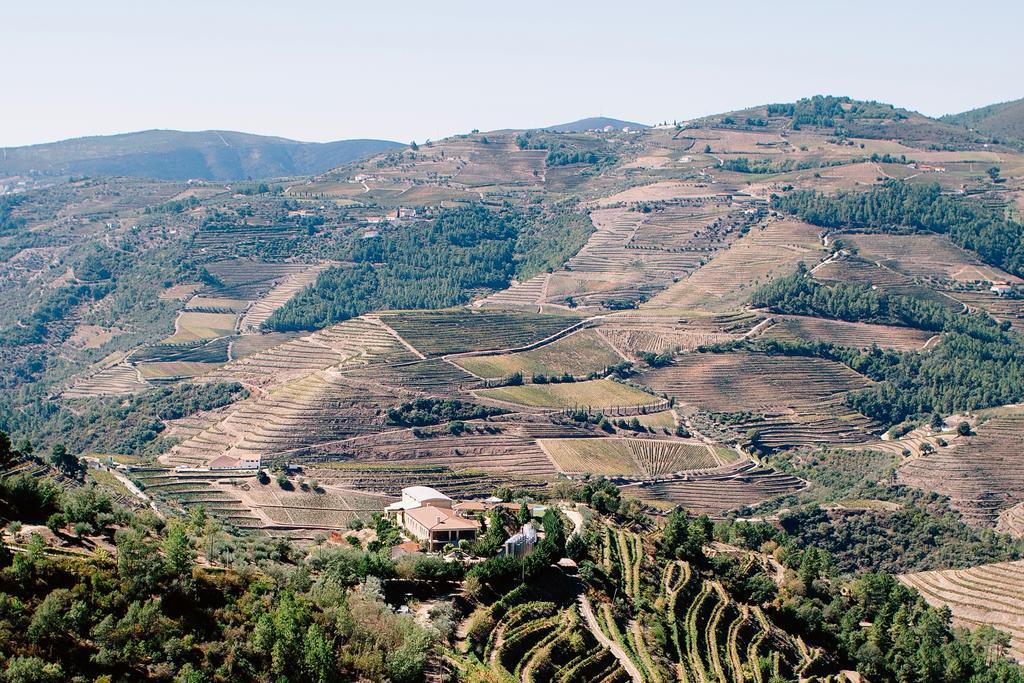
1002,120
595,123
182,155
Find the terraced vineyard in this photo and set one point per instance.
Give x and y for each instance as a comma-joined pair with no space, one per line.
630,457
313,410
356,342
653,332
987,594
728,279
926,256
541,641
1011,521
716,491
113,381
615,398
438,333
390,478
284,290
791,401
577,354
494,448
249,279
711,636
842,333
982,474
529,295
1001,308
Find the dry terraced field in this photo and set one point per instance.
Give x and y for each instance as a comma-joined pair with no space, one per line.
990,594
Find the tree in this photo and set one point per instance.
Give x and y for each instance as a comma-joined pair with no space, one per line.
576,548
64,461
317,655
524,513
993,173
6,453
32,670
963,429
178,554
138,563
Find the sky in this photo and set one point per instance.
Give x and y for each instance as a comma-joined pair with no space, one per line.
404,71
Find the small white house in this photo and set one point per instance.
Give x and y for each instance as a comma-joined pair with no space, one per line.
1001,289
227,462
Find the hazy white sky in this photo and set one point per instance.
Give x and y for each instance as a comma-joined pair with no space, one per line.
319,70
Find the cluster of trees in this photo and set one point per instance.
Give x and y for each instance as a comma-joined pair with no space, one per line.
174,206
565,157
825,110
801,294
8,223
153,613
430,264
763,166
130,426
978,363
907,640
923,534
431,411
55,307
898,206
502,573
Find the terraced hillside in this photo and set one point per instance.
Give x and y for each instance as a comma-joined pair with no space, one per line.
842,333
711,636
788,400
654,331
635,458
116,380
579,354
984,595
285,289
438,333
727,280
716,491
982,474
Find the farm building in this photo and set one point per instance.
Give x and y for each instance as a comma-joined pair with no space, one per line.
427,514
521,544
1002,289
418,496
471,508
437,526
227,462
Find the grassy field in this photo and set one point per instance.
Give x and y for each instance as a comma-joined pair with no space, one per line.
664,418
595,394
608,457
578,354
193,326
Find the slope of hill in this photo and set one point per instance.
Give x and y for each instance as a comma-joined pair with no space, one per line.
180,155
1005,119
595,123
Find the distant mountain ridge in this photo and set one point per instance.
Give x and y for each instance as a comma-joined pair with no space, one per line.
1005,119
594,123
180,155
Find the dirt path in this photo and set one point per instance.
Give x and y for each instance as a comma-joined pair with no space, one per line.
591,621
387,328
